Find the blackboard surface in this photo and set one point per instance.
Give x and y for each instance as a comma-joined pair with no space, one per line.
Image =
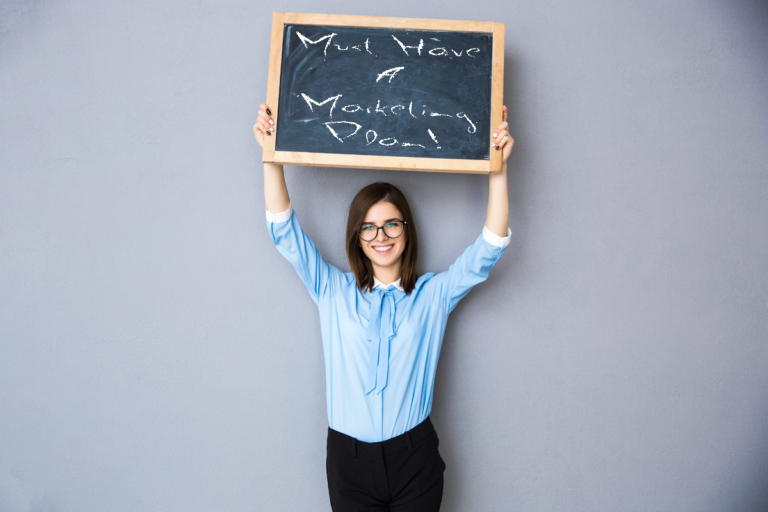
385,92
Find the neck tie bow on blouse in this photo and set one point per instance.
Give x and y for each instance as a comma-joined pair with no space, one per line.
381,328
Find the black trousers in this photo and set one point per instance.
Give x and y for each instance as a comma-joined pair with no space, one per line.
402,474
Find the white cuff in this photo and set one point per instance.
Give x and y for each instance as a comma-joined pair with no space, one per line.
277,218
496,240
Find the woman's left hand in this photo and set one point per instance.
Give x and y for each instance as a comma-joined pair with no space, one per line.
502,141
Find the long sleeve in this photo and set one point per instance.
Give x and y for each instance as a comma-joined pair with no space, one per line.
320,278
469,269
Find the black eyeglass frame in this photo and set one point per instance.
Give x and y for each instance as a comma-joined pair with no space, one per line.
381,228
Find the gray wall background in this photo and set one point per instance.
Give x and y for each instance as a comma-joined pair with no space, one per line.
157,354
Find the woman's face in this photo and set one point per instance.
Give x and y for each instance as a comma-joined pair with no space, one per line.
384,252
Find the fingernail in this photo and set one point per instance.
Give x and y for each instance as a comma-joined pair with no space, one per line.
269,112
494,135
497,147
271,122
270,133
271,128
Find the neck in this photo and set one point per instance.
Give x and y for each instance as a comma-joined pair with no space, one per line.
387,275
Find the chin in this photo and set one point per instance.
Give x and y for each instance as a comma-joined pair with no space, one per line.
383,261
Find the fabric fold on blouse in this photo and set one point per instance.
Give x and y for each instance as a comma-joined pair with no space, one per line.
380,332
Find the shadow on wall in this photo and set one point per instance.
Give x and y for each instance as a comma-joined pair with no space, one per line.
17,17
17,495
753,495
518,171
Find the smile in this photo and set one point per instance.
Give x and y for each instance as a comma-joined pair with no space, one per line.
383,249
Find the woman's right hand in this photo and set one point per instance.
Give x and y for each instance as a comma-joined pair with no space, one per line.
264,125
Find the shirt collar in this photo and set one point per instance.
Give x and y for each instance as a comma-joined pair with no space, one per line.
379,284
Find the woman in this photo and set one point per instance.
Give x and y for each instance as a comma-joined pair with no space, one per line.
382,329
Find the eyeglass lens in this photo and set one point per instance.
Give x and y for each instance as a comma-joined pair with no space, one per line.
392,229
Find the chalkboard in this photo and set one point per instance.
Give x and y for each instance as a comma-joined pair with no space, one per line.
384,92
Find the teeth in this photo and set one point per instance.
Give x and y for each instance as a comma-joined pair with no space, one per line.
382,249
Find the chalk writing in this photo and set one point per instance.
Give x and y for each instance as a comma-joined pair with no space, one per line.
308,41
336,135
310,101
378,109
433,138
390,73
404,92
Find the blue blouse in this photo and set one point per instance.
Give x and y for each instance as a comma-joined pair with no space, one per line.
381,347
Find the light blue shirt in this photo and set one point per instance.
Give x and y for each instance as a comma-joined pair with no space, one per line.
381,347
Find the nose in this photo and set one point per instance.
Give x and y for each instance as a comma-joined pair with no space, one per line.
381,236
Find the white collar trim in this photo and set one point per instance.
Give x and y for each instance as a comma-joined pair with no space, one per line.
379,284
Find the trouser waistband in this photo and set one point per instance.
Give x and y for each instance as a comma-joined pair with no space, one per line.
401,442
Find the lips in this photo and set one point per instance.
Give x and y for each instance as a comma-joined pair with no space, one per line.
383,249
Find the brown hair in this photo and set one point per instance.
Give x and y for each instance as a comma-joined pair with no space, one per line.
358,261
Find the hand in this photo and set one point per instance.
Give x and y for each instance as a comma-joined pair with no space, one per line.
264,125
501,138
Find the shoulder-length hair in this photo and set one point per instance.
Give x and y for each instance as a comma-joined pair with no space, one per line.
358,261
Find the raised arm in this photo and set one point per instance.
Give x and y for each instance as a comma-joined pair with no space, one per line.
320,278
497,218
275,190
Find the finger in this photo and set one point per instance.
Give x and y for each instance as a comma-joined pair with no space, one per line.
499,136
499,129
262,128
507,141
504,113
265,108
504,141
266,121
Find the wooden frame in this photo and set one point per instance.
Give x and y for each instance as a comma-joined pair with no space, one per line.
280,19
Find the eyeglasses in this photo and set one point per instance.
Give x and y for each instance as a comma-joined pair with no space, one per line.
392,229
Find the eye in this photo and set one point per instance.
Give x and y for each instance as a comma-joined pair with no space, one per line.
392,225
366,227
